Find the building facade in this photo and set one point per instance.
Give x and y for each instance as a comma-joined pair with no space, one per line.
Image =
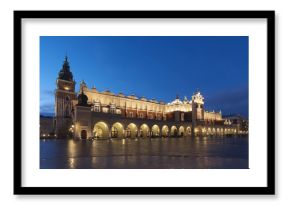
46,129
90,113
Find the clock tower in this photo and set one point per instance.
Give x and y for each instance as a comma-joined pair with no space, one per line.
64,98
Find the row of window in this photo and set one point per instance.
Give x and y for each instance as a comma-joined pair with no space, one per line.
129,105
114,110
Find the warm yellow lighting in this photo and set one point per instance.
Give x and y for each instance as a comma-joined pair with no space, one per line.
66,88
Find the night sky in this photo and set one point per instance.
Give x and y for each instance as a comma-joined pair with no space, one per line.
159,67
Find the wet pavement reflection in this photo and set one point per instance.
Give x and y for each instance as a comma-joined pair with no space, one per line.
144,153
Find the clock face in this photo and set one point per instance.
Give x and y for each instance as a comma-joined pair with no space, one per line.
66,87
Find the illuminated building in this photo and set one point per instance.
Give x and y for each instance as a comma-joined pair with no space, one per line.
91,113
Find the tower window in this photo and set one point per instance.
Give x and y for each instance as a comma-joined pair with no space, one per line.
66,112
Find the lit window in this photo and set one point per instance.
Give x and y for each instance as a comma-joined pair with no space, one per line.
105,109
112,108
97,107
118,111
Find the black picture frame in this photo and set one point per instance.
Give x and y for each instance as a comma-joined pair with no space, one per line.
269,189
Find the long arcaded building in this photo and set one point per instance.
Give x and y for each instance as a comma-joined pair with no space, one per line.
91,113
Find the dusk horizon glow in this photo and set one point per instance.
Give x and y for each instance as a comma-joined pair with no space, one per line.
158,67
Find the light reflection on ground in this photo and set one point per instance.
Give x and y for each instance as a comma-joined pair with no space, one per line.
157,153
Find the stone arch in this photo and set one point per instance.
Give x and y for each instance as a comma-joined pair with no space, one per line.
155,130
197,131
218,131
188,131
173,131
208,131
132,130
144,130
165,131
203,131
213,131
225,131
101,129
117,130
181,131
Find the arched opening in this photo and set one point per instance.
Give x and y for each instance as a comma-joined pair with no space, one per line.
213,131
203,131
101,130
181,131
131,130
165,131
144,130
188,131
117,130
173,131
208,131
226,131
83,134
218,132
155,130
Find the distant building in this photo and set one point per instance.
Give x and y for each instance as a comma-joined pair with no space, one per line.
46,127
95,114
240,122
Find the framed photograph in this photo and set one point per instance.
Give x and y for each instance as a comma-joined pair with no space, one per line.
144,102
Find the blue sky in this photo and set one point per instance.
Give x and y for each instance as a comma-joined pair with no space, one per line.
157,67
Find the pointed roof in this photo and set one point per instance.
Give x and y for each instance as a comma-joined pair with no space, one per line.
65,73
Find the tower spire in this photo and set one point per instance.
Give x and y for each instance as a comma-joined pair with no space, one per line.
65,73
